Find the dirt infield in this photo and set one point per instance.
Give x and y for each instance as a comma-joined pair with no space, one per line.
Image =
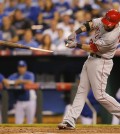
52,129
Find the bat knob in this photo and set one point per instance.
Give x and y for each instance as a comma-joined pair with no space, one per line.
66,43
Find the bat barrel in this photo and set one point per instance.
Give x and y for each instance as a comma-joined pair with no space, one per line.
16,45
12,45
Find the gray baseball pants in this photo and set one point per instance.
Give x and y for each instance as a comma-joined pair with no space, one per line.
94,75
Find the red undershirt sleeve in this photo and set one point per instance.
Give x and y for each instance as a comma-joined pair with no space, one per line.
94,48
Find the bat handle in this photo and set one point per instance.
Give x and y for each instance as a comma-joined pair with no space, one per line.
79,45
13,45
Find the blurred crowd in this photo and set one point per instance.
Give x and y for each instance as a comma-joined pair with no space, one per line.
47,23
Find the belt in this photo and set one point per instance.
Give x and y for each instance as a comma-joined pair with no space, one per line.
98,56
95,55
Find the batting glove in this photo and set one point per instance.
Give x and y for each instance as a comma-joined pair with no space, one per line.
70,43
72,36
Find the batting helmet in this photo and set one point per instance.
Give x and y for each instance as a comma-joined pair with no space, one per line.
111,18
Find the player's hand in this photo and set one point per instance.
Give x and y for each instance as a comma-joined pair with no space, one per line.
70,43
19,81
72,36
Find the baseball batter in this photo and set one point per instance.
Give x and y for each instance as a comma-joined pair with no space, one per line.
97,67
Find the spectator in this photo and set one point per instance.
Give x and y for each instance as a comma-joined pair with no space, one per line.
56,1
28,39
41,5
96,11
21,5
1,35
38,10
30,11
49,12
75,6
115,0
116,5
2,13
71,24
62,6
46,42
65,24
87,6
11,7
38,36
83,38
106,5
8,31
79,18
21,23
82,3
52,31
59,44
26,99
88,16
40,21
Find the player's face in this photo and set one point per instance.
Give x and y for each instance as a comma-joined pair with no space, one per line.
22,70
108,28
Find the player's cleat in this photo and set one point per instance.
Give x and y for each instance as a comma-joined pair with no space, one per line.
65,125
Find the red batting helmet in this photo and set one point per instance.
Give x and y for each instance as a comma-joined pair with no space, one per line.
111,18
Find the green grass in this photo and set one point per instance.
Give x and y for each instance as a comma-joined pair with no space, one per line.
53,125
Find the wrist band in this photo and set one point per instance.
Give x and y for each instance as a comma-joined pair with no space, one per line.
78,31
79,45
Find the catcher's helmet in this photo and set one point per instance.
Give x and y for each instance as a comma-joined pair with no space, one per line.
112,17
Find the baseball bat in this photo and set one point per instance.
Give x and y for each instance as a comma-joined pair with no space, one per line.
16,45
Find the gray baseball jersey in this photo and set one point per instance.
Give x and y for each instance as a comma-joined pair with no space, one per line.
95,74
106,41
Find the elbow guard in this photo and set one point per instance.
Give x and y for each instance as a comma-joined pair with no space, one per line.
87,25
